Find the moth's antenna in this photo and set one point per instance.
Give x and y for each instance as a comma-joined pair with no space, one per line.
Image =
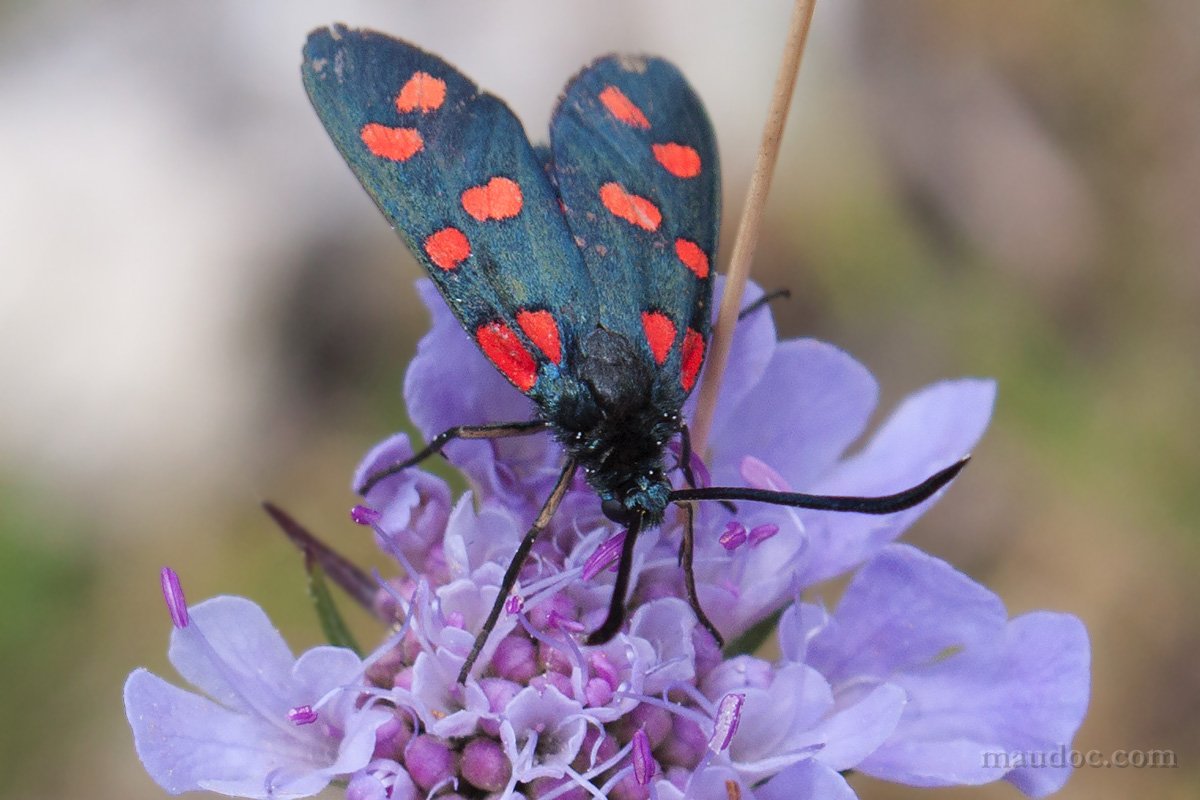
884,504
747,234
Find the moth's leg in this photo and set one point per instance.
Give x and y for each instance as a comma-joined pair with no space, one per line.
687,547
685,464
685,455
514,566
501,430
616,606
686,553
762,301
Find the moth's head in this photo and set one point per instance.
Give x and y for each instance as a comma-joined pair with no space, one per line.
644,496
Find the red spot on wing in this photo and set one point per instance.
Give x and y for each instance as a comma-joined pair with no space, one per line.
422,92
542,330
692,257
504,349
499,198
678,159
447,248
660,334
395,144
630,207
693,357
623,108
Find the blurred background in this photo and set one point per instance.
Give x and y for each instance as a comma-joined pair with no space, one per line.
201,309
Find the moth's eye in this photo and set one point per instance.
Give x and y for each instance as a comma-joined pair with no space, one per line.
616,511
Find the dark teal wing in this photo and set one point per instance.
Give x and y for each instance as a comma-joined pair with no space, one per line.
452,170
635,162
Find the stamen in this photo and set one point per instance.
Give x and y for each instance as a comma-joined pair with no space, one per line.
390,642
606,555
606,790
729,714
392,547
761,475
539,589
600,739
513,604
699,468
760,533
587,776
173,594
365,515
693,693
566,645
302,715
418,599
403,603
564,623
217,663
603,668
734,535
586,784
643,760
677,709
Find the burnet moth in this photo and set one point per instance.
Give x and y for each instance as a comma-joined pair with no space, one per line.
582,270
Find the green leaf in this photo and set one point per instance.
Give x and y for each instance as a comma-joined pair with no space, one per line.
335,628
753,639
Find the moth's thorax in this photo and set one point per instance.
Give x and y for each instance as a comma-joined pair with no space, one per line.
624,469
615,422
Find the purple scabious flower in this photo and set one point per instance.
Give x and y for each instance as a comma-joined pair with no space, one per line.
914,677
976,682
271,725
788,413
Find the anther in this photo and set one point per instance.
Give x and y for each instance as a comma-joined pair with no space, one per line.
173,594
